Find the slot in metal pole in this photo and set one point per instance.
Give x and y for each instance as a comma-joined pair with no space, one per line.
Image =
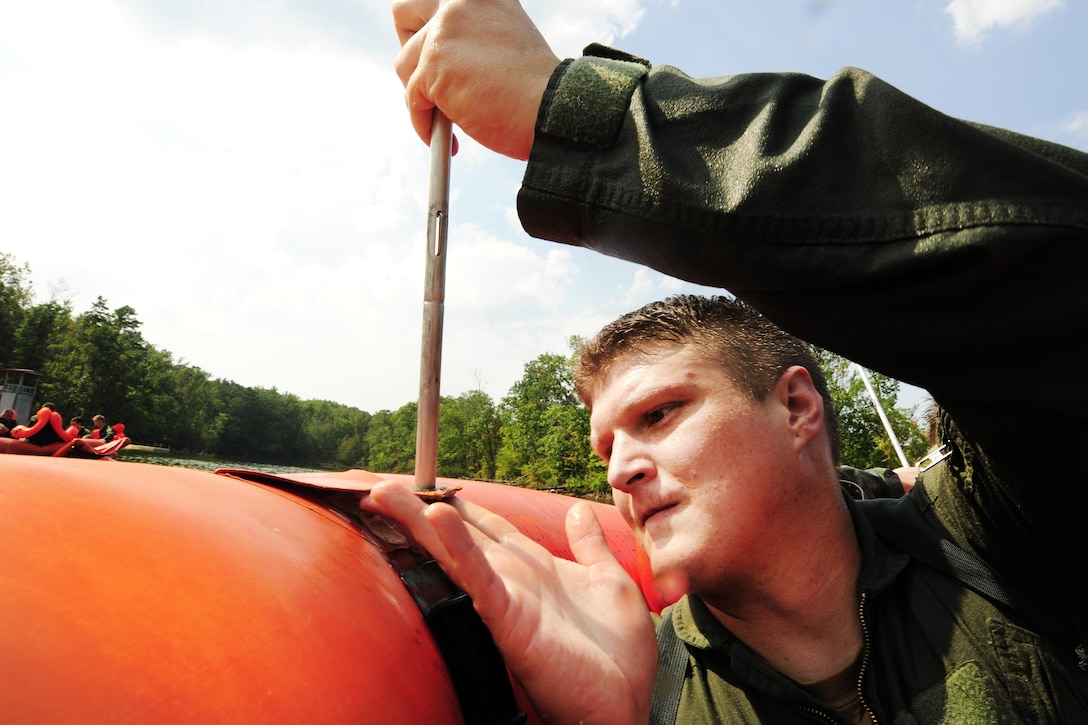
434,298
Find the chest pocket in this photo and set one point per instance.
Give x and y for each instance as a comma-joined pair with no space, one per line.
966,696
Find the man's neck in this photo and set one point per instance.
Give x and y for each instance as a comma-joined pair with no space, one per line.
803,618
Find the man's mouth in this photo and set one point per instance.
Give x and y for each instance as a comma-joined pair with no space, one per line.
651,512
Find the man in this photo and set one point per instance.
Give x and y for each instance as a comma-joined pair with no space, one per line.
76,429
100,430
850,215
722,457
51,431
8,420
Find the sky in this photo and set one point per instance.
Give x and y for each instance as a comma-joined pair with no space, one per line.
242,173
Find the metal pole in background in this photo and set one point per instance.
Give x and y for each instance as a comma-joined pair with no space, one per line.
434,298
880,411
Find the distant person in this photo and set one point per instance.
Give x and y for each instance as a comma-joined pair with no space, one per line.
8,420
100,431
76,428
51,432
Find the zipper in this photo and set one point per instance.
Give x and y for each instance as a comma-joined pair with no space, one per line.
820,714
865,655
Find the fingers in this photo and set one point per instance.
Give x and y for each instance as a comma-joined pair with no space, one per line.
586,537
422,118
466,562
489,523
453,533
407,59
417,93
483,64
411,15
454,536
398,503
420,106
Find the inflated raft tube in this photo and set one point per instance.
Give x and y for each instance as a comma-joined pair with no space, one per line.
540,515
138,593
26,448
75,448
46,416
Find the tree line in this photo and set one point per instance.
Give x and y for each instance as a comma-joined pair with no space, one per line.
537,435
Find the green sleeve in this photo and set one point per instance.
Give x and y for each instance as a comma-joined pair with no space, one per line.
943,253
853,215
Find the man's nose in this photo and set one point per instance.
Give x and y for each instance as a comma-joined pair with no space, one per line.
628,464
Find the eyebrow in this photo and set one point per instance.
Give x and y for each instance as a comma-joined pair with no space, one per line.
644,397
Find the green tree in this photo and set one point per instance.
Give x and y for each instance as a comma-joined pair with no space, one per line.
99,364
41,327
352,451
545,430
15,297
469,435
391,438
256,423
865,442
334,434
565,455
186,408
150,407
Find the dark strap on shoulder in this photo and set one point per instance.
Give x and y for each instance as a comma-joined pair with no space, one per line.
901,524
672,667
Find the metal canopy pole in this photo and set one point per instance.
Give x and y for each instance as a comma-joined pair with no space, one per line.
880,411
434,297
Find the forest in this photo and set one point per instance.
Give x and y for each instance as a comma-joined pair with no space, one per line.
97,361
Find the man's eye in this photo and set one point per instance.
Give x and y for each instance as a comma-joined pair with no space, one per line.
655,416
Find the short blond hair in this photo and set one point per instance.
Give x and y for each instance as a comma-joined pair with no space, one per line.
753,350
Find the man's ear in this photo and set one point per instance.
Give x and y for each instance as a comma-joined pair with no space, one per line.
804,404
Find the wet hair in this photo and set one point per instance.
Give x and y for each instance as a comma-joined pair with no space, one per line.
751,349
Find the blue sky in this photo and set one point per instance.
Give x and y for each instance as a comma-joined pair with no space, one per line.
243,173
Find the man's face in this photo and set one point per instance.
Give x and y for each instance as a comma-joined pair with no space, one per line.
696,468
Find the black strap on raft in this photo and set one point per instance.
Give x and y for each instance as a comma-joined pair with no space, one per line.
672,669
475,665
901,524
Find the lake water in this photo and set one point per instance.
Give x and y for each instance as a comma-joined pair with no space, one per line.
209,463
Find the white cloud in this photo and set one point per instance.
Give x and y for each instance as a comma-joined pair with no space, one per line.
241,196
1071,130
1076,125
501,277
245,177
359,27
571,24
974,19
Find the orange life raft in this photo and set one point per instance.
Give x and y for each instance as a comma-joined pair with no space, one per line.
139,593
69,445
44,417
